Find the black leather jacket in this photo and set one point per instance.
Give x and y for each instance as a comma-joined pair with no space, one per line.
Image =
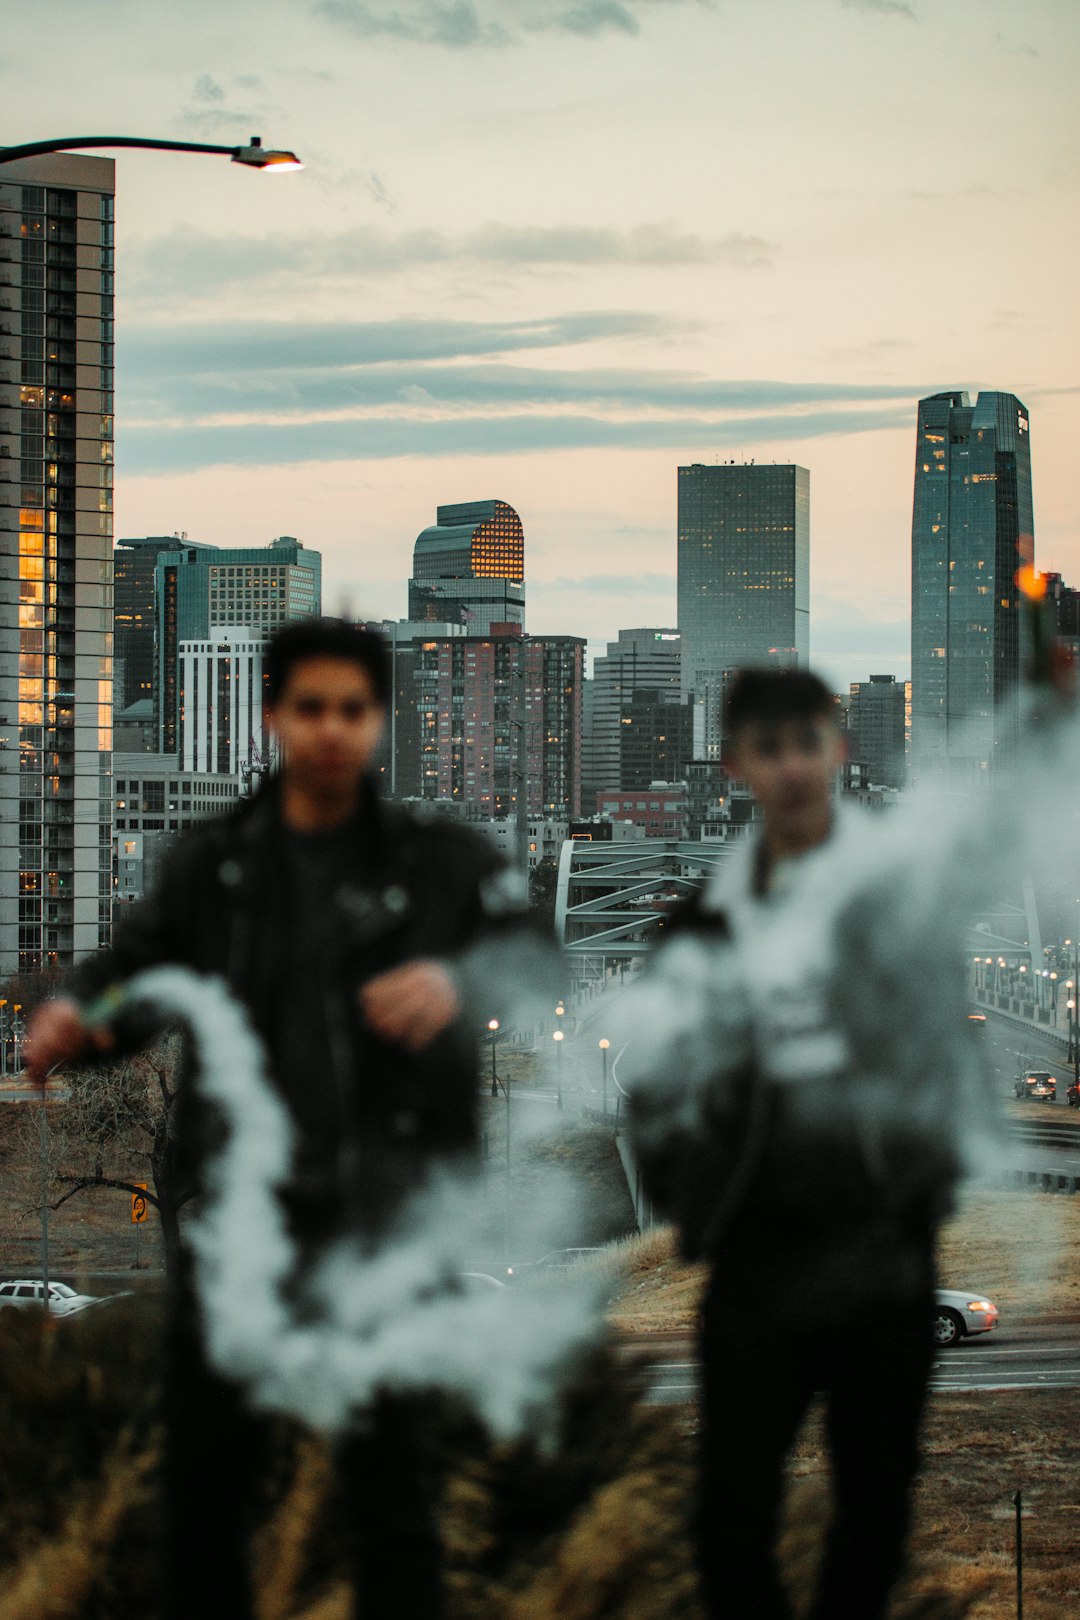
408,889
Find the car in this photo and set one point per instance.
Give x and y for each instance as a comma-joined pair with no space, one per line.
1035,1085
557,1260
26,1293
479,1282
959,1313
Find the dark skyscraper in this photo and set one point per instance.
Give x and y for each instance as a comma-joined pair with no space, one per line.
469,567
134,562
744,575
56,630
972,526
646,658
876,729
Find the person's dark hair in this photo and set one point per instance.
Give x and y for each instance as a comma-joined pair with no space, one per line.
325,638
771,696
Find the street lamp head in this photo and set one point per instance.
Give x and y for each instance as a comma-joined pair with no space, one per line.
493,1024
258,156
559,1010
558,1035
604,1045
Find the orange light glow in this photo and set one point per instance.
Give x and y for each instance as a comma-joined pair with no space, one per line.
1031,582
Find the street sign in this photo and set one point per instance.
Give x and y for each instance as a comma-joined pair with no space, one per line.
139,1206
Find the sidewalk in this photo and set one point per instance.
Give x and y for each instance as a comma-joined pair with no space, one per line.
1052,1022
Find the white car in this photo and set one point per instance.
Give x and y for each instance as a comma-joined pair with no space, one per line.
63,1301
959,1314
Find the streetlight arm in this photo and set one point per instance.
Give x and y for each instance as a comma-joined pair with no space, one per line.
255,155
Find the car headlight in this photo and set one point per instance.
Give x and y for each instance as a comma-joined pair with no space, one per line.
979,1305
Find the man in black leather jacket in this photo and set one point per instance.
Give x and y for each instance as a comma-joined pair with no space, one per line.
368,948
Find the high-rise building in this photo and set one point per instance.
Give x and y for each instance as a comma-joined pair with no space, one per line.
469,568
638,659
1066,601
490,710
199,588
222,695
657,738
743,576
876,729
134,565
56,630
972,527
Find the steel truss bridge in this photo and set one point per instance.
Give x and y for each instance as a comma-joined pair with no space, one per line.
611,899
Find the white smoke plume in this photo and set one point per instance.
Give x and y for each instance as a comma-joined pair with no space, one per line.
873,928
397,1319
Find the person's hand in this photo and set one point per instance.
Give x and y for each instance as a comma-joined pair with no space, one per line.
411,1004
58,1033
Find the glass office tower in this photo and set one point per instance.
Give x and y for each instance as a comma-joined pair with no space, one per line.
56,630
469,567
972,526
744,576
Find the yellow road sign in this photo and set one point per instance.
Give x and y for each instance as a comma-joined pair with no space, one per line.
139,1206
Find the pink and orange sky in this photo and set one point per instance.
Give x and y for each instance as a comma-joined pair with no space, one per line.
546,250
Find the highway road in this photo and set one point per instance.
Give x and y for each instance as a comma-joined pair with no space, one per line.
1026,1357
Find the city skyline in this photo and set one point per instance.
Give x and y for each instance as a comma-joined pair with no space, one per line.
589,269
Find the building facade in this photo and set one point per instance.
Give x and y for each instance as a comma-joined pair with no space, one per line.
644,658
469,568
199,588
659,811
134,568
877,731
56,612
743,577
488,714
154,800
222,695
972,527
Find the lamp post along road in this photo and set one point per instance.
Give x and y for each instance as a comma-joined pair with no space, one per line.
604,1044
254,155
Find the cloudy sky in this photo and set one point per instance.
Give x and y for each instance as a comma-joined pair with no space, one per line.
547,249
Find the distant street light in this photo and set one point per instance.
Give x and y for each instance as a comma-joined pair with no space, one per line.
254,155
493,1025
557,1037
604,1044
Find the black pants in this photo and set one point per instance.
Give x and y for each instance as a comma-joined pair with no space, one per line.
215,1454
761,1368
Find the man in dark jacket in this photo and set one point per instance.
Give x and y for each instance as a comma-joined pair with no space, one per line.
367,949
803,1078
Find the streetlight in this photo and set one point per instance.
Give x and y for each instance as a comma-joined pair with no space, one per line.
253,156
3,1035
44,1134
557,1037
604,1044
493,1025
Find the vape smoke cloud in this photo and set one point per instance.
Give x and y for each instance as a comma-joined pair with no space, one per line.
395,1319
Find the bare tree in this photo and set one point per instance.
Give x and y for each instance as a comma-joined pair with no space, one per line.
114,1130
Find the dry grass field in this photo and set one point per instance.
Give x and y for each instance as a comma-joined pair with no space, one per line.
1023,1249
589,1529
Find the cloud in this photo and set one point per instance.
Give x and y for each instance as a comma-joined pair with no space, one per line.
221,382
887,8
598,17
208,90
457,23
243,351
461,24
160,269
151,450
209,110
